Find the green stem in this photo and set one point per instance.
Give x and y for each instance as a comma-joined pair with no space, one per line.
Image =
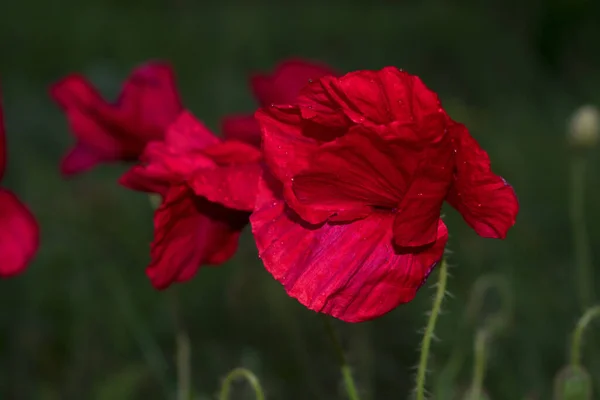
241,373
577,343
183,351
581,245
429,330
344,366
480,364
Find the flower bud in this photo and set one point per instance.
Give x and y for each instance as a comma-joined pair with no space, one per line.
573,382
584,127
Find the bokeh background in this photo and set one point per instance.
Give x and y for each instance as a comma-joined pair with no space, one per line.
84,323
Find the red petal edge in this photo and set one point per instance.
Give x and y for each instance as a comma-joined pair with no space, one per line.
19,235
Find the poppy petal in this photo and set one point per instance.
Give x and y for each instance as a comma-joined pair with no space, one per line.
242,127
150,95
354,173
486,201
287,151
365,277
82,158
233,186
190,232
19,235
418,216
284,84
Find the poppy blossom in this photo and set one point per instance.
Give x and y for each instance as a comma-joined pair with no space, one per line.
347,216
208,189
19,231
107,132
280,87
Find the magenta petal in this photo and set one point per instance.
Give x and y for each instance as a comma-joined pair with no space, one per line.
350,271
19,235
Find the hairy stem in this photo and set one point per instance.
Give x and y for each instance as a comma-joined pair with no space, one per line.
429,330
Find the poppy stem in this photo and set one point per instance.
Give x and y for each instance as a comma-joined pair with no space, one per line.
480,349
344,366
429,330
577,341
183,352
248,376
581,244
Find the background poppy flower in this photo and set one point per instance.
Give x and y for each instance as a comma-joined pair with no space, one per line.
280,87
348,218
105,131
19,231
208,187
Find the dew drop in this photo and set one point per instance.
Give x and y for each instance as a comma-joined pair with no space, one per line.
310,80
419,194
272,104
478,204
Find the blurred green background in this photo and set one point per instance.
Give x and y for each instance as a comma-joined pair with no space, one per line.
84,323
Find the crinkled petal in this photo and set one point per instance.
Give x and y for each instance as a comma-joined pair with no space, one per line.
285,83
189,232
286,150
350,271
486,201
19,235
417,221
243,128
233,186
353,174
376,97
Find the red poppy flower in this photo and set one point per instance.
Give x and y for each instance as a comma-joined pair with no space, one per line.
106,132
281,87
348,218
19,232
208,187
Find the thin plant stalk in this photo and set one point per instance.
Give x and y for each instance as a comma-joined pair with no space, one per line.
479,366
429,330
183,352
577,341
581,245
349,383
248,376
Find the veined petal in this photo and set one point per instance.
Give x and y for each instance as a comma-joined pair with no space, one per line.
353,173
19,235
486,201
350,271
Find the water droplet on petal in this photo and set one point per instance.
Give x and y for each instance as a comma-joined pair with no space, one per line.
419,194
310,80
478,204
272,104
